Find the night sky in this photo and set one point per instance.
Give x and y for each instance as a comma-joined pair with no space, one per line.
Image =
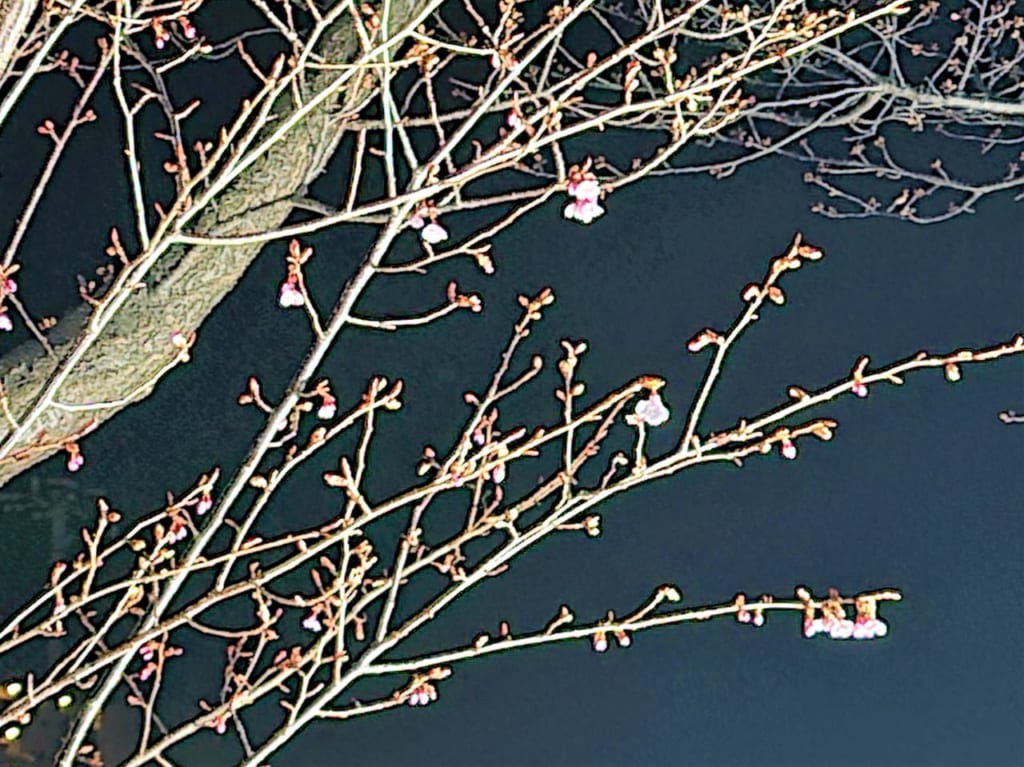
920,489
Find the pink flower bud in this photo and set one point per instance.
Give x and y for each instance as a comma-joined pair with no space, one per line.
859,389
788,449
498,474
327,409
312,623
289,295
600,641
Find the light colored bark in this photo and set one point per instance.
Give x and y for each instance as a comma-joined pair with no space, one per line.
188,283
15,16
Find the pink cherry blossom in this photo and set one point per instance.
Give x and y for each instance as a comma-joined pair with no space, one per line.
417,222
204,505
75,461
788,448
586,189
583,210
859,389
327,409
836,628
312,623
8,286
498,474
599,642
869,628
434,233
652,410
423,695
5,321
289,295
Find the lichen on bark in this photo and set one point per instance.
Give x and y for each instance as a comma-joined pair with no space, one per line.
188,282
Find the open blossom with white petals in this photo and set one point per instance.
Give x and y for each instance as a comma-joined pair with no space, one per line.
312,623
5,321
583,211
434,233
652,411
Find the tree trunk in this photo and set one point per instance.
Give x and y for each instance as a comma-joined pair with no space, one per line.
188,282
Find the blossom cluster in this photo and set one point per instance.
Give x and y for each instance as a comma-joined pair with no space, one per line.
834,623
584,188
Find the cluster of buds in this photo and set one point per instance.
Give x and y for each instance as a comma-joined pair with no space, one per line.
425,220
422,695
421,690
150,652
292,292
584,188
834,622
161,35
177,531
753,616
599,641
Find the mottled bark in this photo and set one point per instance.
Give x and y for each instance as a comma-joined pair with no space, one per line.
188,282
14,18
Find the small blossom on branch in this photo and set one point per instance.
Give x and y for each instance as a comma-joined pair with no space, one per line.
584,188
75,458
788,448
433,233
292,291
834,622
652,410
289,295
